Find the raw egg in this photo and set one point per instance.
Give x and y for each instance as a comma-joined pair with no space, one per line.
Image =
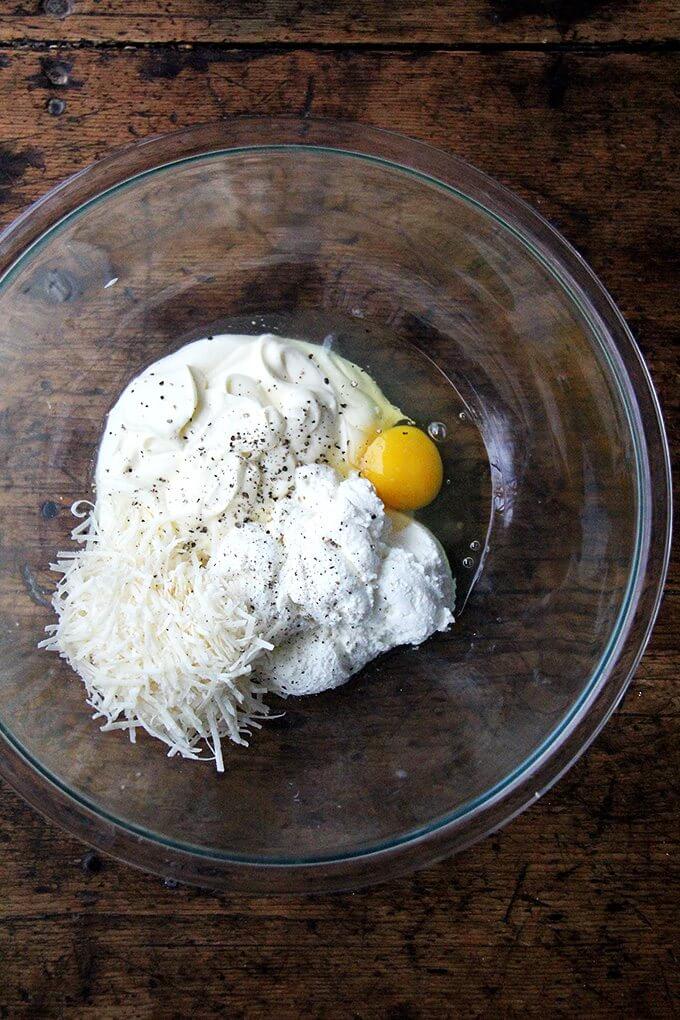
404,466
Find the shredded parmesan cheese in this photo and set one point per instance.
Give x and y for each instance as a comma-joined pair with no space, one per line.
157,642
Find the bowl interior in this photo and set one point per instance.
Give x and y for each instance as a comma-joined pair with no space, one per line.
460,322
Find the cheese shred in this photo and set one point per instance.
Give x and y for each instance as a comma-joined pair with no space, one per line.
156,639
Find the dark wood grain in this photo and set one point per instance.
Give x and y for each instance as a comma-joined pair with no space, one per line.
572,909
295,21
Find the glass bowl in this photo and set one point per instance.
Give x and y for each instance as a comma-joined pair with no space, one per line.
469,310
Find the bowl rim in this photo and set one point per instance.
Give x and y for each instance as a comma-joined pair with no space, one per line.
576,730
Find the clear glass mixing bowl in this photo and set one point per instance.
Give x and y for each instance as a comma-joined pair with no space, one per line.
469,310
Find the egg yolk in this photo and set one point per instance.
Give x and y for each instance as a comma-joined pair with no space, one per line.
405,467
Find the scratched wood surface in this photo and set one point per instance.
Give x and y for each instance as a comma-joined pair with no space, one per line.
449,22
572,909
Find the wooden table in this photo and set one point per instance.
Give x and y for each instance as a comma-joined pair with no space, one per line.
570,910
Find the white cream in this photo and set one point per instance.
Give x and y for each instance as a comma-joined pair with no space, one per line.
187,422
361,581
233,550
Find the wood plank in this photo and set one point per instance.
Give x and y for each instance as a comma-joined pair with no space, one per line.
346,21
570,132
572,904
